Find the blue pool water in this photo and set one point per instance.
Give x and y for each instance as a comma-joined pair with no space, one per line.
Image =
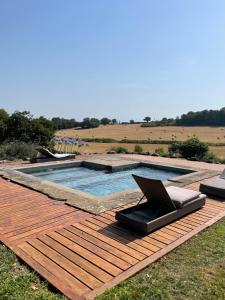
101,183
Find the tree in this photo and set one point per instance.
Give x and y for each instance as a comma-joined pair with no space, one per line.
90,123
114,121
132,122
3,129
42,131
147,119
4,116
105,121
24,128
19,126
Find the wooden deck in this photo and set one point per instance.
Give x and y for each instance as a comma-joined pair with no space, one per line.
83,254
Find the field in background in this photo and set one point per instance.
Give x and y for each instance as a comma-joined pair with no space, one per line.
135,132
104,147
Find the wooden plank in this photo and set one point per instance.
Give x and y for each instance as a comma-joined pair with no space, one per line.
21,213
183,229
18,232
170,232
30,221
134,248
57,224
165,235
124,256
108,240
76,259
54,268
95,249
129,235
78,273
88,255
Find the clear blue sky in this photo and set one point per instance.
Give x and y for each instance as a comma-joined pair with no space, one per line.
117,58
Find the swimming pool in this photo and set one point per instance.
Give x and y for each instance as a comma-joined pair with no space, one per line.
100,182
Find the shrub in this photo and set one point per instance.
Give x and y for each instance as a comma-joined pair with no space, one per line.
14,151
120,149
210,157
138,149
174,147
193,148
160,151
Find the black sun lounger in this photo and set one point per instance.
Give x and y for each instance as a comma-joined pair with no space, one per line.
214,186
164,205
44,155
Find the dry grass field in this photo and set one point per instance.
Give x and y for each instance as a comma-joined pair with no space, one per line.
135,132
104,147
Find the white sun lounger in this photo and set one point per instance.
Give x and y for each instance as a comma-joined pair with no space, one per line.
44,155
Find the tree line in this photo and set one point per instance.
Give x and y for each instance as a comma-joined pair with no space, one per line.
61,123
199,118
24,127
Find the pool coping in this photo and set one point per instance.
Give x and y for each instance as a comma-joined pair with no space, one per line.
88,202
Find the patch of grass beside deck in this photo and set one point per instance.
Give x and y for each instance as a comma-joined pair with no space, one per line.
194,271
17,282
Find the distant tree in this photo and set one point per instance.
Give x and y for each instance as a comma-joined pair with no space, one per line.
90,123
114,121
61,123
105,121
3,129
202,118
4,116
132,122
147,119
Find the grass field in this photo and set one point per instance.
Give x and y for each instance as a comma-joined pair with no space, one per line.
101,148
135,132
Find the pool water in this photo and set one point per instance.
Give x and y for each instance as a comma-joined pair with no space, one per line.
101,183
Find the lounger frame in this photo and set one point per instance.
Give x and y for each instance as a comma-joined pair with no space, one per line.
129,217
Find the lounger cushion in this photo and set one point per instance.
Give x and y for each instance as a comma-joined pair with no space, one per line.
181,196
214,186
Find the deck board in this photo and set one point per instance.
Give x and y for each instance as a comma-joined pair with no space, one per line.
82,254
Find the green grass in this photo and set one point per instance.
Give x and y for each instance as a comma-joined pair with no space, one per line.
195,271
17,282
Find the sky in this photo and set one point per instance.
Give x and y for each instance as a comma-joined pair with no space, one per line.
123,59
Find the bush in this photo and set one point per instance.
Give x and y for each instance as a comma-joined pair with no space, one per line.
210,157
160,151
193,148
120,149
138,149
174,147
14,151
